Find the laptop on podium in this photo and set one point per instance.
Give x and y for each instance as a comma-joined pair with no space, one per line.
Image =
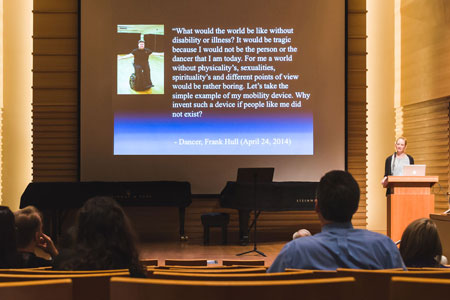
414,170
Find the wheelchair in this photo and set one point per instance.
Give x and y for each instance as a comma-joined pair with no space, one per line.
138,81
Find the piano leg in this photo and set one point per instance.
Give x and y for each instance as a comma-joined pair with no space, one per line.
181,215
52,223
244,217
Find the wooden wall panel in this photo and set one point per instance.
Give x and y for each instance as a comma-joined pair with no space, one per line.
44,24
55,90
356,103
425,87
51,97
55,80
56,135
56,6
58,46
426,125
425,47
56,63
272,226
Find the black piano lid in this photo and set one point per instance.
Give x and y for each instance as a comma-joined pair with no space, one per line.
55,195
274,196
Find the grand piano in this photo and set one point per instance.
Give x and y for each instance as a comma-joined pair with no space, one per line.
56,197
269,196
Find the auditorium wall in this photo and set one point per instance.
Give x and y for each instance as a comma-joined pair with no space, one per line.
425,88
380,99
422,83
16,96
416,91
55,118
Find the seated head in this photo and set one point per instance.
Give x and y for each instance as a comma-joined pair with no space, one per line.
420,245
7,237
7,226
337,196
29,226
101,222
103,238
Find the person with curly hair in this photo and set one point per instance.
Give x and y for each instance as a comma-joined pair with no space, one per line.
104,240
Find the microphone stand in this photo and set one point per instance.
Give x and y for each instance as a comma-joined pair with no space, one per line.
254,221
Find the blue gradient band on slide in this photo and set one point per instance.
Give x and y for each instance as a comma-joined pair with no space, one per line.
262,135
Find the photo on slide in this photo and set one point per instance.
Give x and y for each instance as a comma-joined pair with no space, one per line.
140,59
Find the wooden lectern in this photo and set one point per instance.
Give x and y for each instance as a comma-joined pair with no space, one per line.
410,199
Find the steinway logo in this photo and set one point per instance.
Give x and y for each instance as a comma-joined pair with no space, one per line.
304,201
133,196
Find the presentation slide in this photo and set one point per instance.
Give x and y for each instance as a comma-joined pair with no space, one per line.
198,83
231,90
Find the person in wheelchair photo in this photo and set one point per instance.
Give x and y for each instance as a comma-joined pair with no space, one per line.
140,59
140,80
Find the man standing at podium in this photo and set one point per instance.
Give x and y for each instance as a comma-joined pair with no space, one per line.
394,163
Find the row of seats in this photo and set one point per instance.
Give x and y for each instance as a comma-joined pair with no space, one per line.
175,282
306,289
202,262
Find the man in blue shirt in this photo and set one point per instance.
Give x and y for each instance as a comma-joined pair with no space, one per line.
339,245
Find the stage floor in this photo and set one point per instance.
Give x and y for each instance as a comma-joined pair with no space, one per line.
195,250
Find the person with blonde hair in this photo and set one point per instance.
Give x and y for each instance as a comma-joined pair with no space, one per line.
394,163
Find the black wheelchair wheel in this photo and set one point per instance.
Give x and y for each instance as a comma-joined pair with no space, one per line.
133,81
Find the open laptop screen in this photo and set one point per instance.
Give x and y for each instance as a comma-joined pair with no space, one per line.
414,170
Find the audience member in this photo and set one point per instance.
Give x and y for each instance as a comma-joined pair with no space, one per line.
9,257
420,245
103,240
30,236
301,233
339,245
